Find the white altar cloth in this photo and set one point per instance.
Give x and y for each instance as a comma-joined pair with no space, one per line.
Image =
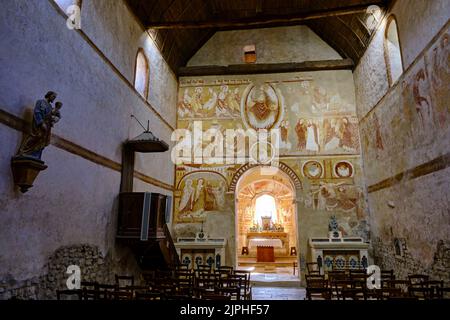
276,243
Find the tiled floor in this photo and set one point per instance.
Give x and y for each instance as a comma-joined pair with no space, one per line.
274,293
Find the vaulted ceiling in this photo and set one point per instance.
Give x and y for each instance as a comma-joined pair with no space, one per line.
180,28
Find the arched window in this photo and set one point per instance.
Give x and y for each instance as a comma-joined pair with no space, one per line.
141,74
392,51
265,207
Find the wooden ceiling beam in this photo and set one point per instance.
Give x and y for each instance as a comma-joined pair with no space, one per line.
259,68
261,21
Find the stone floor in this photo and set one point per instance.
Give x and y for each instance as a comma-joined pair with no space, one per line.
276,286
278,293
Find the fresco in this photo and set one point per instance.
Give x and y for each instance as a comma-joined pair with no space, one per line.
319,142
439,70
198,193
313,115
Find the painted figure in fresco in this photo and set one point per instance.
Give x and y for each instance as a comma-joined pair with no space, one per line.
312,137
215,196
284,131
196,101
378,138
314,169
343,170
44,117
422,104
209,105
222,107
440,78
408,103
187,197
184,106
300,129
210,199
200,196
331,133
235,102
348,133
262,107
321,100
336,196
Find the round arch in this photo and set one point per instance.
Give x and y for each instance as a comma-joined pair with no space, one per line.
281,166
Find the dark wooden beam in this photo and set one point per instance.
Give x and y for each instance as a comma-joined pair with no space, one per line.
264,20
258,68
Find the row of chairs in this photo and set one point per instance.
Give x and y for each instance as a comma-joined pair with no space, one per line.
204,281
352,284
180,283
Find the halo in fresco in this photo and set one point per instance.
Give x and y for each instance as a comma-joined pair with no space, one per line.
312,169
343,169
262,106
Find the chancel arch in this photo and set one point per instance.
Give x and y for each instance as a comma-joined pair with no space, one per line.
266,221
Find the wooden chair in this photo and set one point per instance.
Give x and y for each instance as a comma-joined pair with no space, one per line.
105,291
415,279
120,294
213,296
354,289
69,294
89,290
403,285
386,293
247,292
443,293
232,292
206,280
149,296
336,279
135,289
184,282
312,268
386,275
124,281
317,285
203,267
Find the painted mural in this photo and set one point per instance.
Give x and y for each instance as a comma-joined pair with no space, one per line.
319,143
313,117
198,193
439,69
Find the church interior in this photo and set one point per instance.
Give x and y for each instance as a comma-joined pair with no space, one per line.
224,150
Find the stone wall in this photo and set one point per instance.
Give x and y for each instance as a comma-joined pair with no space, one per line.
405,134
273,45
74,201
94,267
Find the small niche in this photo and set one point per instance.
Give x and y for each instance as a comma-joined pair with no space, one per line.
250,53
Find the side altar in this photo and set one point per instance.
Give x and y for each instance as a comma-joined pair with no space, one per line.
201,250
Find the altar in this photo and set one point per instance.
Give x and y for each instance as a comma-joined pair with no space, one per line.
261,242
267,244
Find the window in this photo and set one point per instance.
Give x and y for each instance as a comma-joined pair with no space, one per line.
250,54
141,74
392,51
266,207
